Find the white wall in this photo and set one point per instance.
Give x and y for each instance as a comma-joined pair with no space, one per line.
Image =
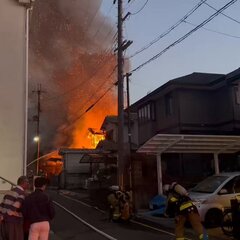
12,90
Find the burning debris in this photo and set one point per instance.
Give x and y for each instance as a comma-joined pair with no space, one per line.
71,57
95,136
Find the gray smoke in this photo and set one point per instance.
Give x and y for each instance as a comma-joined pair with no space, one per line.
69,41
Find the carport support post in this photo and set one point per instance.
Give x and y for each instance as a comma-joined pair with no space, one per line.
159,173
216,163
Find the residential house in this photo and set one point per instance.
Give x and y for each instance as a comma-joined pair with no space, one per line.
199,103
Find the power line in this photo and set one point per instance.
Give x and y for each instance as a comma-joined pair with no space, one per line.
211,30
91,106
169,29
185,36
89,99
106,53
129,4
225,15
101,85
104,63
144,5
105,17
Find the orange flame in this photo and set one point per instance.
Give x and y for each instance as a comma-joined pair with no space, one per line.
91,101
95,137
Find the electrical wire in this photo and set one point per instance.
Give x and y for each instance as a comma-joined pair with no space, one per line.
225,15
105,17
91,106
144,5
107,52
169,29
89,99
129,4
185,36
101,65
211,30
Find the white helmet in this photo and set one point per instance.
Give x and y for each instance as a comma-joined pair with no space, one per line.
114,188
180,189
166,188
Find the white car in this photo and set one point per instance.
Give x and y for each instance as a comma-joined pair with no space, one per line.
214,194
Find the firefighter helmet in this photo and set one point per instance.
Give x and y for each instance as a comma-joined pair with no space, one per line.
166,188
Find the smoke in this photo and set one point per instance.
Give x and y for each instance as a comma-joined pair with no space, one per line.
71,57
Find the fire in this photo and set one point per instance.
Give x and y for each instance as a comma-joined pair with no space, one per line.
91,101
95,137
52,165
71,55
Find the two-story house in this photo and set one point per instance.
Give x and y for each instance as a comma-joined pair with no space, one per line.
199,103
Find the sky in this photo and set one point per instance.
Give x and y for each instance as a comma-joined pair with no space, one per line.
213,48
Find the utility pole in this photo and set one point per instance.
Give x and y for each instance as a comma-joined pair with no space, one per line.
37,119
121,155
122,46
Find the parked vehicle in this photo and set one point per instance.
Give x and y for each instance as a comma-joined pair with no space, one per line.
227,223
213,195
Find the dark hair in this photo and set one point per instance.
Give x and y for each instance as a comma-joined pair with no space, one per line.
21,180
40,182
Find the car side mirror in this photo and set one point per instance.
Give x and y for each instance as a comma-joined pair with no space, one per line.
223,191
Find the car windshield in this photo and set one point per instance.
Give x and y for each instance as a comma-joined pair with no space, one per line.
209,185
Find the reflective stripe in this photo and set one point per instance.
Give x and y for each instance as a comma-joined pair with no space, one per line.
173,199
116,216
185,205
203,236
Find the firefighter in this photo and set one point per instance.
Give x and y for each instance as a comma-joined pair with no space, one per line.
181,206
125,208
114,205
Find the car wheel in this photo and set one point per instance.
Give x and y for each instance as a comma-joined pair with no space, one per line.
227,223
213,218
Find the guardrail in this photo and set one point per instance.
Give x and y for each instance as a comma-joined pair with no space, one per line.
11,183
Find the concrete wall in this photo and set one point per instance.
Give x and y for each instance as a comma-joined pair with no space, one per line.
12,90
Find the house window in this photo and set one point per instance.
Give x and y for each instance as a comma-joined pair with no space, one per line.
146,112
169,105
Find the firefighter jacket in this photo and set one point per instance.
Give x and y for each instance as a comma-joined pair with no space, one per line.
178,204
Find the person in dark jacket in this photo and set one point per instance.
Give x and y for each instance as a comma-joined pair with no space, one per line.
38,210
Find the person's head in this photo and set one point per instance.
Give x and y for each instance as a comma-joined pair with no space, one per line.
41,183
166,189
23,182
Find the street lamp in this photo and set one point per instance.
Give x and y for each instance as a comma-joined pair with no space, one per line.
37,140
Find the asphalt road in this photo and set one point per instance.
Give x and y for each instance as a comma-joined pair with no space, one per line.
76,218
72,217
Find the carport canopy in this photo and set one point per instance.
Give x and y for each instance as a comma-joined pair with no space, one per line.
179,143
